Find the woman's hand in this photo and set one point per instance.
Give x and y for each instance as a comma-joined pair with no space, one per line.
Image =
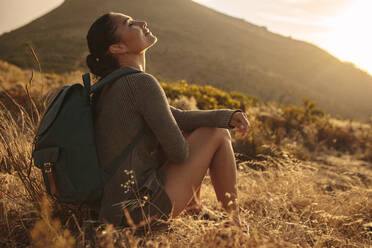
240,121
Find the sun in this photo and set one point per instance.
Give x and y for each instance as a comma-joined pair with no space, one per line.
350,36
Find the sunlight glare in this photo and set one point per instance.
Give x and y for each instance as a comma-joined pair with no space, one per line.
350,37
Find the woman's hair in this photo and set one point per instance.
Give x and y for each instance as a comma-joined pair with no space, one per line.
100,36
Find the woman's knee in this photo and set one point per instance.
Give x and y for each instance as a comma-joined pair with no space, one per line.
218,133
224,133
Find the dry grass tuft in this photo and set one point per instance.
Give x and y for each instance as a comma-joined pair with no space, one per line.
48,231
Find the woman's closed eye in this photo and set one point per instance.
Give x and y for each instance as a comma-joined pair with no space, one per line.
129,22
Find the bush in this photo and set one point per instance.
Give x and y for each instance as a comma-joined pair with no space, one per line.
184,103
296,115
248,101
207,97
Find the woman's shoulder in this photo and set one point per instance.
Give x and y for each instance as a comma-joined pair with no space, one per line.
141,76
142,80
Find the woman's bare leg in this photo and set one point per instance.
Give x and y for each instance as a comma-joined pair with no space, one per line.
195,200
194,206
223,175
218,169
209,148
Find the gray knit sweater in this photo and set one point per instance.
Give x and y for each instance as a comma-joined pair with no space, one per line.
121,110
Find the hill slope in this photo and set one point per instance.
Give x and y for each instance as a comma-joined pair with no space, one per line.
202,45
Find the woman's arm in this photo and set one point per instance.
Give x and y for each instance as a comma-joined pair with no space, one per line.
152,104
188,120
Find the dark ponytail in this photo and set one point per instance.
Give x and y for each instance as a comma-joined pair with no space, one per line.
100,36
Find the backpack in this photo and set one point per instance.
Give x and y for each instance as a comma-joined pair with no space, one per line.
64,144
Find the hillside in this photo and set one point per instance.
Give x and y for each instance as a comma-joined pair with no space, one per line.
201,45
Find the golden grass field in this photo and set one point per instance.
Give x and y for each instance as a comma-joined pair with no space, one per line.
303,180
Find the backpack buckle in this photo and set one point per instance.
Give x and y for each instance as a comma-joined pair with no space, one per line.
52,184
48,167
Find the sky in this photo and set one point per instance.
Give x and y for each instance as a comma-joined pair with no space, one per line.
342,27
16,13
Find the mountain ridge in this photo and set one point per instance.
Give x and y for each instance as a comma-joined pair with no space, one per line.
205,47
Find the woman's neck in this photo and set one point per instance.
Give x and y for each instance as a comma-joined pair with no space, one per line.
137,61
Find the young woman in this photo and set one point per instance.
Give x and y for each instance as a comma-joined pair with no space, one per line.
162,174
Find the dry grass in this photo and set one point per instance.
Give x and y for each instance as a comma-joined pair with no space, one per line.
324,201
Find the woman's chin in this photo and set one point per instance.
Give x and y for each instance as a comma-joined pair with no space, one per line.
153,37
152,40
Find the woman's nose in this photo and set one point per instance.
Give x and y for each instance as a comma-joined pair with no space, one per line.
143,24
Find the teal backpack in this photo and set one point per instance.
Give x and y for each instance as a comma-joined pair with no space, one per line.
64,145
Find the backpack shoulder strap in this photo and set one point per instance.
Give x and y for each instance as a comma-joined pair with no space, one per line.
110,77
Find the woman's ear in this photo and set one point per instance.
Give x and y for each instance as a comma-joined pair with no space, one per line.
118,48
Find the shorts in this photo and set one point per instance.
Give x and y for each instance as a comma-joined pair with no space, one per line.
147,211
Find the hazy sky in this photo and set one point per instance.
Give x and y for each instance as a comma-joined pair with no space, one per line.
16,13
340,26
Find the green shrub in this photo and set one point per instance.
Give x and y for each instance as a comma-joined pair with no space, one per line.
246,100
297,115
207,97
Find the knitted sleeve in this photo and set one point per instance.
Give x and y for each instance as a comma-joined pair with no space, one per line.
188,120
151,102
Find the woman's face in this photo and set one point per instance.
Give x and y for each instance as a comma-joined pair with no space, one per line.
134,34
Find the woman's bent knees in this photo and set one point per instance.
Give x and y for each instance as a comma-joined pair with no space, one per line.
181,180
214,132
224,133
